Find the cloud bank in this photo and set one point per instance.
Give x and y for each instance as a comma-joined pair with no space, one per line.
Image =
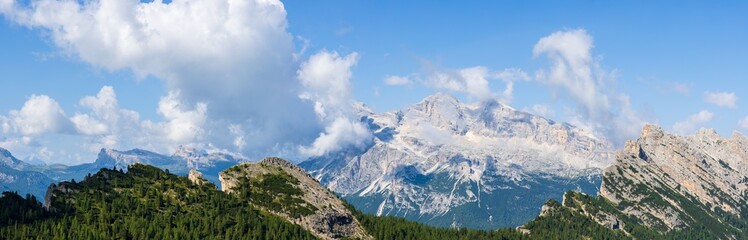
229,68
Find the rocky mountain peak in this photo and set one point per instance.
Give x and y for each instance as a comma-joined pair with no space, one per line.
187,152
737,136
107,156
314,207
121,159
651,131
441,98
5,153
709,132
7,158
482,150
440,109
704,167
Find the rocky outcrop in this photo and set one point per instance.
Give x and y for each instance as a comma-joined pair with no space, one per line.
671,182
665,186
57,190
196,177
331,219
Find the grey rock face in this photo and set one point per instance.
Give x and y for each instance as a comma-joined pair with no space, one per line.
660,178
55,190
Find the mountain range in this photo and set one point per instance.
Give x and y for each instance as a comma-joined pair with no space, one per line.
482,165
439,162
25,178
660,186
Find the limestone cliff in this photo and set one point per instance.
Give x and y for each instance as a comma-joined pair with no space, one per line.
670,181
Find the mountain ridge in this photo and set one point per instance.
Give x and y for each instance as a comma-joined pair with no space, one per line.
668,186
36,178
439,154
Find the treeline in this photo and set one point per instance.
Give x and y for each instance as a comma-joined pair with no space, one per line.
144,203
560,225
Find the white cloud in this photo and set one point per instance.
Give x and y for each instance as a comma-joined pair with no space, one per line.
40,115
542,110
689,125
102,125
104,107
512,75
721,99
509,76
108,126
6,6
574,72
743,123
235,56
474,81
326,79
341,132
184,125
572,69
398,80
87,125
238,133
5,123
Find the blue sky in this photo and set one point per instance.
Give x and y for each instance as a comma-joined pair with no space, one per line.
680,64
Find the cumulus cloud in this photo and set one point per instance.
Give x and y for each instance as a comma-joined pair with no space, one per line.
576,74
475,81
39,115
398,80
689,125
326,79
572,69
104,108
184,124
225,63
721,99
340,133
103,124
